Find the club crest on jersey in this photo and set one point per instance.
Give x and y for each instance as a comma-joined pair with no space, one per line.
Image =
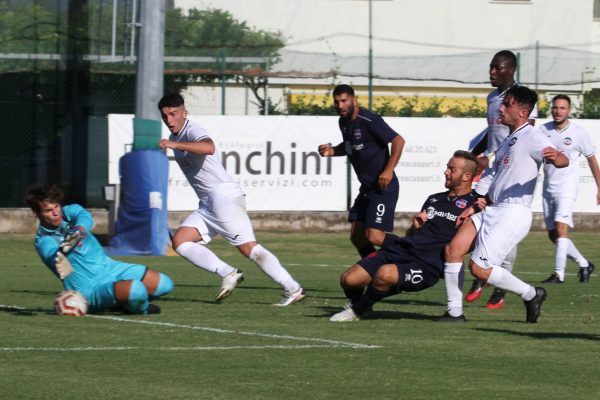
461,203
567,141
503,162
430,212
512,141
357,134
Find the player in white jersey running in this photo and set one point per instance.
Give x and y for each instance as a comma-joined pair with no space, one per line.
560,187
222,207
507,217
502,76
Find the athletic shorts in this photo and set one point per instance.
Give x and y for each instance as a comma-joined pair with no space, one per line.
100,293
222,213
374,210
499,229
413,275
558,209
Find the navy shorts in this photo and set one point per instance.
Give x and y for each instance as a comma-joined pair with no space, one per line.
375,210
413,275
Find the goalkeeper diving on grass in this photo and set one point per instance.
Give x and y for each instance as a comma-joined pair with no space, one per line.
74,255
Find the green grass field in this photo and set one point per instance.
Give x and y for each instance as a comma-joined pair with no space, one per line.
244,348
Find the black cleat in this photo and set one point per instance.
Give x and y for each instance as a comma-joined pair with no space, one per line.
475,292
534,306
449,318
553,279
496,300
584,273
153,309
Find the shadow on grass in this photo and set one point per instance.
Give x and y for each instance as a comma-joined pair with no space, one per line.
216,287
412,302
40,292
328,311
185,300
26,312
544,335
398,315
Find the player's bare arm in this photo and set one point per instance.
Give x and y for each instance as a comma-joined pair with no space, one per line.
482,163
204,146
466,214
555,157
387,174
593,163
327,150
419,220
481,146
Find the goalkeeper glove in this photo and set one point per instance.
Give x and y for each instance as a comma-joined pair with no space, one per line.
63,265
73,237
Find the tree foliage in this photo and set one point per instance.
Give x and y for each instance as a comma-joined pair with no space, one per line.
214,34
28,28
591,105
217,34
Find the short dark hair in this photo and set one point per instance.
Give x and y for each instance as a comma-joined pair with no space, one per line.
343,88
562,97
508,55
170,100
36,194
523,96
471,164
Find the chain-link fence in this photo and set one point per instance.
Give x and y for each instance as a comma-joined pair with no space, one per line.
64,70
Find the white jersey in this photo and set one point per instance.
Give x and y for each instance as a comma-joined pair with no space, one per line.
573,141
516,167
205,173
496,131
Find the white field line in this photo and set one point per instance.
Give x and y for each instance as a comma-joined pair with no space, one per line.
327,343
335,343
191,348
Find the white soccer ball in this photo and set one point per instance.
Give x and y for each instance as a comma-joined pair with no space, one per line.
70,302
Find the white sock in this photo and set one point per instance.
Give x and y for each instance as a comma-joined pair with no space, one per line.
203,258
452,281
560,263
576,255
504,279
509,262
273,268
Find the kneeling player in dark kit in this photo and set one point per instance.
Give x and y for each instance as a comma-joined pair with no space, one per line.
415,262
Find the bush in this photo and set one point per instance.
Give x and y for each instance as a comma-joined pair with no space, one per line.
591,105
310,105
473,110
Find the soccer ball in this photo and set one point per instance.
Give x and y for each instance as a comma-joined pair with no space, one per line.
70,302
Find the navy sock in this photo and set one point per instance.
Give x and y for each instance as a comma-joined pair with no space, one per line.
366,250
390,239
371,296
354,294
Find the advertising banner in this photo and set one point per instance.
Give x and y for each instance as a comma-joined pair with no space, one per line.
275,160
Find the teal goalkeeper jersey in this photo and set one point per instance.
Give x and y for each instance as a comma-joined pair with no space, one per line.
88,258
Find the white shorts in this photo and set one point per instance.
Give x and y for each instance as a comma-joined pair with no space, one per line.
223,213
558,209
499,229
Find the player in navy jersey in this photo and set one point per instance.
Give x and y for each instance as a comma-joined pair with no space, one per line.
415,262
365,141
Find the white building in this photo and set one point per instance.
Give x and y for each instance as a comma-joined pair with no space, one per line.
429,48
